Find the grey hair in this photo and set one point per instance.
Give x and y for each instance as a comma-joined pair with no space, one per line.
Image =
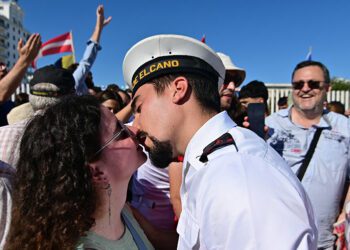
43,102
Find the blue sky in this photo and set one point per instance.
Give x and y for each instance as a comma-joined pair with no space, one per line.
267,38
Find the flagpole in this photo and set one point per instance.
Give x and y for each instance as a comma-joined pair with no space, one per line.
309,54
71,35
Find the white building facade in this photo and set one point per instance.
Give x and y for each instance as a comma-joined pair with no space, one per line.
11,30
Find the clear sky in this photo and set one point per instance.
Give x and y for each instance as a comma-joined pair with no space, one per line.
266,37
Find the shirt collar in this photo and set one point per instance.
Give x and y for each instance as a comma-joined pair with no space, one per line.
211,130
285,112
324,121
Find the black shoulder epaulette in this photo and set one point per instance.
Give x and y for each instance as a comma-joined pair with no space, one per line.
223,141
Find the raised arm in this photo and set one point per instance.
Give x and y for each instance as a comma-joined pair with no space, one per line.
90,53
101,22
27,54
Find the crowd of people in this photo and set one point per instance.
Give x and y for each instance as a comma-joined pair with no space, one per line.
173,161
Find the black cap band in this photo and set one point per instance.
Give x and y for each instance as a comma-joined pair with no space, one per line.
170,65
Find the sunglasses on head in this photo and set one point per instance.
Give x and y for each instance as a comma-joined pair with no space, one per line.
311,83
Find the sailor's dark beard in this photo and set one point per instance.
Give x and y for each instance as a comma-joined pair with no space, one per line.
161,154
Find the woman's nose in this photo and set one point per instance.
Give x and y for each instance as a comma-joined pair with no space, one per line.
133,134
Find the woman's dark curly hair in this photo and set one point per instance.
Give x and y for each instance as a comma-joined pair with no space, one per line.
54,197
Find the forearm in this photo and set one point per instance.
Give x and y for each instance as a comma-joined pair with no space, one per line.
101,22
13,79
175,178
177,206
124,114
96,34
27,54
84,67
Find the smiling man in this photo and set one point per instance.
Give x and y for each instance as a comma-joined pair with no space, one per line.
291,133
237,192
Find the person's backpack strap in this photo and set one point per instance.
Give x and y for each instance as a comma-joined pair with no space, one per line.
223,141
137,238
309,153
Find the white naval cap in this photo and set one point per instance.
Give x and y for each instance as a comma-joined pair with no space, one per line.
166,54
232,71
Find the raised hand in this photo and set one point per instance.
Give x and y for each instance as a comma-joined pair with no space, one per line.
101,21
28,52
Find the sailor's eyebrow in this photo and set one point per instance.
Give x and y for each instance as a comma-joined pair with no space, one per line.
133,103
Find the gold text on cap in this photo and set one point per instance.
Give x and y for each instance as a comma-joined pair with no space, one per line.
154,68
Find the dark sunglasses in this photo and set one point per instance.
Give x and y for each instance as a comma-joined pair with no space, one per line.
123,133
229,79
311,83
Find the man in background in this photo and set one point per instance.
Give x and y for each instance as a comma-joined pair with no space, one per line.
254,92
291,132
282,102
234,76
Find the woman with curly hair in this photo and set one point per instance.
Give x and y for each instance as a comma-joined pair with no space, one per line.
73,171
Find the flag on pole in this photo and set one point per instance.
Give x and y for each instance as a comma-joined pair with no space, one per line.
309,55
65,61
60,44
203,39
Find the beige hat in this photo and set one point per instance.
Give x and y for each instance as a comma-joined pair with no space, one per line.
20,113
232,70
165,54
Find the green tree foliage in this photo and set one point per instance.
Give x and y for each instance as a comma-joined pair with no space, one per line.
338,83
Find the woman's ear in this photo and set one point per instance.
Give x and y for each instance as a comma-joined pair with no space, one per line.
180,89
98,176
